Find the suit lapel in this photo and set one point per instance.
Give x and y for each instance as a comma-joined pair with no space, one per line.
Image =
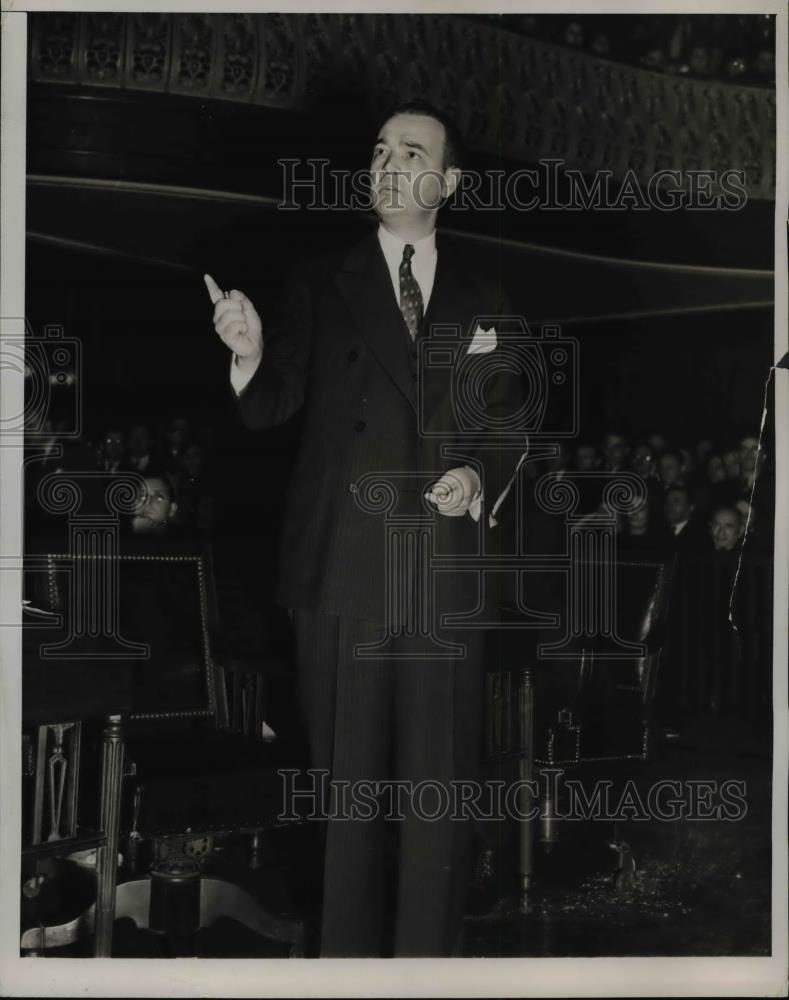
365,285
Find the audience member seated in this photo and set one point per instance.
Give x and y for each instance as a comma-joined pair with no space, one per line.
752,492
615,450
749,464
670,469
156,509
141,454
176,437
726,528
678,508
111,451
643,461
731,463
716,472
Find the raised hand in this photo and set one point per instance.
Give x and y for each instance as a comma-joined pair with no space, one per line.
237,322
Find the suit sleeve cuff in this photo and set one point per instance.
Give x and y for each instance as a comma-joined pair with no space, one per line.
239,380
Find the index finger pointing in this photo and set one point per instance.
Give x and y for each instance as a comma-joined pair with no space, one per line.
213,289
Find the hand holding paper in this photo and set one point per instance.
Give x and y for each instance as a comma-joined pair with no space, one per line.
454,493
238,324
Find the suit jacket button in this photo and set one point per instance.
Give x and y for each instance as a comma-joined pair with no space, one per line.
359,425
353,356
353,488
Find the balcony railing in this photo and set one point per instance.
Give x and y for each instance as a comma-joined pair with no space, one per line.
513,96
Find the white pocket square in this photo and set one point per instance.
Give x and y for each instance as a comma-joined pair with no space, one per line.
483,341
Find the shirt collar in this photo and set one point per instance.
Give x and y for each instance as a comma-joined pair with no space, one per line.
392,246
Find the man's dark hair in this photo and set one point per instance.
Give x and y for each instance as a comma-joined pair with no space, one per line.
454,153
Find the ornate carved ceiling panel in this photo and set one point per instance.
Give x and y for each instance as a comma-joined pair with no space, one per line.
514,96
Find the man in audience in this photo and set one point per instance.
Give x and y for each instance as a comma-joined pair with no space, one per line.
155,509
140,450
615,451
111,451
726,528
678,509
176,437
716,473
751,460
752,492
670,469
731,463
643,461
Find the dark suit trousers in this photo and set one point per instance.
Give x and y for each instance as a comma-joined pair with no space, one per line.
415,720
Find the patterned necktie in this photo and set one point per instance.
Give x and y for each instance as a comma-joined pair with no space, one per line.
411,305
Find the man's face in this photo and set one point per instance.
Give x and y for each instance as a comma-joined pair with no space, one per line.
615,448
731,463
407,167
670,469
748,450
677,507
726,529
154,506
112,445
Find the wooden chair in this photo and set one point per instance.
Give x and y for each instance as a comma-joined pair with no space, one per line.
191,779
586,710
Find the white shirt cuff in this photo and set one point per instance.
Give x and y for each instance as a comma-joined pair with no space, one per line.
238,379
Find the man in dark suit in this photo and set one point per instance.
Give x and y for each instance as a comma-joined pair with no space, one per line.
347,348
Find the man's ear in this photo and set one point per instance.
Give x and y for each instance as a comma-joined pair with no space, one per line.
451,181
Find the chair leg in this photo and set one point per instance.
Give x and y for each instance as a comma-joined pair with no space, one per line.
109,816
526,768
223,899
